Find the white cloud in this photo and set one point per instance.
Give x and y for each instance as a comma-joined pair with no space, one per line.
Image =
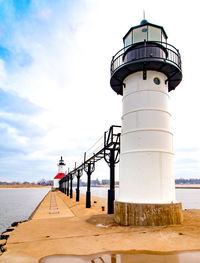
69,74
3,74
43,14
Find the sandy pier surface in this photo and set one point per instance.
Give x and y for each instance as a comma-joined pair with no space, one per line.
62,226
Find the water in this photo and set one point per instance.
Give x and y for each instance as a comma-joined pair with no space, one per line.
14,208
17,204
184,257
190,198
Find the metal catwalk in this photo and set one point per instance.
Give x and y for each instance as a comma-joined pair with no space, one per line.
107,148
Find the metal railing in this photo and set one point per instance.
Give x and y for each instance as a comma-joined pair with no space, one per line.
107,148
97,151
144,51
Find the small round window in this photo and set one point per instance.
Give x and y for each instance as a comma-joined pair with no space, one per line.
156,81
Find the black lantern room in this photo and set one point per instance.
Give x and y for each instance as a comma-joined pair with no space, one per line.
61,161
146,48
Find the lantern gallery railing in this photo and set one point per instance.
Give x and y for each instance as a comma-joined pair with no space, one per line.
107,148
142,51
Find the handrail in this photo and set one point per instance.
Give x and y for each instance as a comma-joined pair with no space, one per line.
110,139
173,55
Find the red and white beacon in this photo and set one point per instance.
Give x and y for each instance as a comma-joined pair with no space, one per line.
60,174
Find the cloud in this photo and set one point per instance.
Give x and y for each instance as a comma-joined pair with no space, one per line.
3,75
13,60
11,102
54,74
43,14
187,163
19,135
3,179
24,169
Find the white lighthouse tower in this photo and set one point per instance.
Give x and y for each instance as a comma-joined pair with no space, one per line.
144,72
60,174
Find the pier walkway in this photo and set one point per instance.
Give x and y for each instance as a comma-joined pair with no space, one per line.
62,226
52,207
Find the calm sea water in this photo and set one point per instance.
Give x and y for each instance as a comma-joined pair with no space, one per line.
190,198
17,204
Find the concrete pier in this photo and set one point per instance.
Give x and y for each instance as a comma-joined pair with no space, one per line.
62,226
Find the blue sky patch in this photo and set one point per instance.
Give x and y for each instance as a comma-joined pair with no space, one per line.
11,102
21,6
5,54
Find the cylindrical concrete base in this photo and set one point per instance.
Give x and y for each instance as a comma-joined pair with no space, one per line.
137,214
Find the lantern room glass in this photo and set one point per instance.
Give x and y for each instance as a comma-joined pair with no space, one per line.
129,39
154,34
145,33
140,34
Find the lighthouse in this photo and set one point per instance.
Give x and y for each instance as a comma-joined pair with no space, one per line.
61,165
144,72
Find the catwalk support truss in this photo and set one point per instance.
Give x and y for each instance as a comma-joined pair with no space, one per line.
108,150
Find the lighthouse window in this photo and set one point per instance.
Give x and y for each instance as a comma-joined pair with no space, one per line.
154,34
164,38
128,39
140,34
156,81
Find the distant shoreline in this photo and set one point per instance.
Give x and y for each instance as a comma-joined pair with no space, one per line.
24,186
177,186
187,186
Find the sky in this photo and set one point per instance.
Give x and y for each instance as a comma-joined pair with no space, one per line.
55,96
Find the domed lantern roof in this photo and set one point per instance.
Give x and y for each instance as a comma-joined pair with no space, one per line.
145,32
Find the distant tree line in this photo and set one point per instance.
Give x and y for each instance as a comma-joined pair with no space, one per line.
45,182
187,181
96,182
42,182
